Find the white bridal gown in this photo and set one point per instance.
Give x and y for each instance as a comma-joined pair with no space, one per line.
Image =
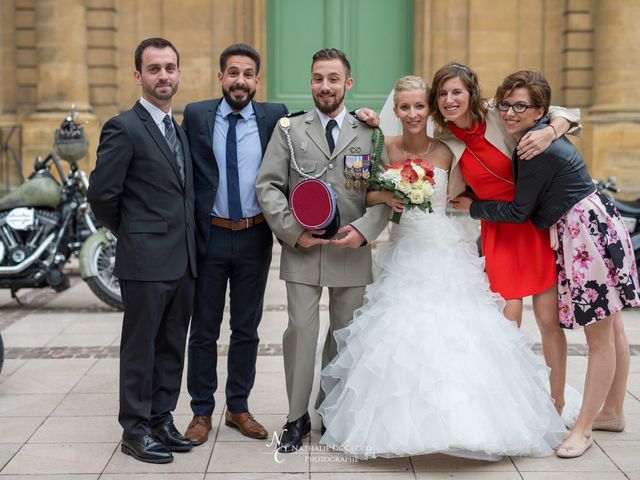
429,363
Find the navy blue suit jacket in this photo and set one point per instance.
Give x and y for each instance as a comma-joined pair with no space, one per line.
198,121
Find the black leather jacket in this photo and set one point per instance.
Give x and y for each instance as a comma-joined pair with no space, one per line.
547,186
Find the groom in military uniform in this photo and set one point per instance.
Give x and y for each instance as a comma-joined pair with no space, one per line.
330,145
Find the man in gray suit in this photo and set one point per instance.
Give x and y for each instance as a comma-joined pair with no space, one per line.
325,143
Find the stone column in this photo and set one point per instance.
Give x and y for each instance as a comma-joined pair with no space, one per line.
61,52
62,77
616,50
613,123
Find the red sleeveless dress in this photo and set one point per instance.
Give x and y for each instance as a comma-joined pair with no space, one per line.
519,260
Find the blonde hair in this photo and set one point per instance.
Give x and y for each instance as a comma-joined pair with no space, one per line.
407,83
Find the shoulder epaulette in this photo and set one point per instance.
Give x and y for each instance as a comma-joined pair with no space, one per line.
295,114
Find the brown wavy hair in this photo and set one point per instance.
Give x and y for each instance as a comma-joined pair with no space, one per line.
534,82
469,78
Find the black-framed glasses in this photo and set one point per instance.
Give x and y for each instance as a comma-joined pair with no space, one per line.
517,107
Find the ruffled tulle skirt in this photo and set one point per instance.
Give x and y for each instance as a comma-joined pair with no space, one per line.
429,364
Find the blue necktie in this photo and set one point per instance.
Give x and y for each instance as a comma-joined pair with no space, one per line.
233,180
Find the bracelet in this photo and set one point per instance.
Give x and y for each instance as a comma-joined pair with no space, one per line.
555,132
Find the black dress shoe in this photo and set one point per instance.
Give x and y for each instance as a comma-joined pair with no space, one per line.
145,448
293,433
169,435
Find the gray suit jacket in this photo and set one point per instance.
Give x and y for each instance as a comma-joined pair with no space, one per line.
324,265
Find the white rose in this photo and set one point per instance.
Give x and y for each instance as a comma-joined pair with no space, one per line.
427,189
404,186
416,196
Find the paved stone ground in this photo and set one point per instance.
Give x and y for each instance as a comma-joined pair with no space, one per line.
58,407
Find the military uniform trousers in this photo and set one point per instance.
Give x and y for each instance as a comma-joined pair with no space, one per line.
301,336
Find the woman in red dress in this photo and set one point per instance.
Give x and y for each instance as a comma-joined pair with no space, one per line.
519,259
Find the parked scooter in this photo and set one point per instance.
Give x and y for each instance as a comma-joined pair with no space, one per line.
629,211
45,221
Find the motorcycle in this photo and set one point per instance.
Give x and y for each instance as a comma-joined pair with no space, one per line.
44,222
629,211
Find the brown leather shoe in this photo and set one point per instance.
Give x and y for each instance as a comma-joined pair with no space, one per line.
198,430
247,425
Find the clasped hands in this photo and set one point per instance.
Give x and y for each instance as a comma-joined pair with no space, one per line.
347,237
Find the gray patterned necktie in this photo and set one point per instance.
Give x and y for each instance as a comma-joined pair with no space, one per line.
172,139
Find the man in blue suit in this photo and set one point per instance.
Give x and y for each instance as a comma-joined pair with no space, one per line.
228,137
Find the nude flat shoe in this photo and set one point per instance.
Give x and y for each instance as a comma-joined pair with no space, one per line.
611,425
572,452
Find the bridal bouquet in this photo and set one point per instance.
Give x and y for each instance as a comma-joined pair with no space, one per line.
412,180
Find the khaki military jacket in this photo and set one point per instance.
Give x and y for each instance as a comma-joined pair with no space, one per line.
324,265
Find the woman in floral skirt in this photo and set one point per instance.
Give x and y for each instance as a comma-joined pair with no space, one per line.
597,274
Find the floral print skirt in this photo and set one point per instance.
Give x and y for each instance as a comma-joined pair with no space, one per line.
597,273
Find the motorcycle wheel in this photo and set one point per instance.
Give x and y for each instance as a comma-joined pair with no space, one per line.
105,285
1,353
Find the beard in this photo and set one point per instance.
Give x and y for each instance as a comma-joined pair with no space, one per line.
328,108
154,92
237,104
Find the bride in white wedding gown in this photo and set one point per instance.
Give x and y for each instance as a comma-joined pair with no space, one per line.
429,363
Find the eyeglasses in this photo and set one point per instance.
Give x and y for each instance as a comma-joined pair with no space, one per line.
518,107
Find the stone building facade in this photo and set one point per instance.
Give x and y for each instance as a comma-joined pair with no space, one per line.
57,52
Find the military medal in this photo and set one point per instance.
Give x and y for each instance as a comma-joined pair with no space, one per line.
348,174
366,170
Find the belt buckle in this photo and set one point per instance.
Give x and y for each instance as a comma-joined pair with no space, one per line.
241,224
